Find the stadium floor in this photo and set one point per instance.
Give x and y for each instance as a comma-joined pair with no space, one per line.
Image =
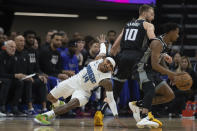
86,124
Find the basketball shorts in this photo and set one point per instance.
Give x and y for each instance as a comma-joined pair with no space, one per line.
126,61
149,75
64,89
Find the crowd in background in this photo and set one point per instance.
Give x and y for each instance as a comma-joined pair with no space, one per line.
57,58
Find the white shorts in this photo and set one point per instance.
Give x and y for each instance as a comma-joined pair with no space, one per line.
63,89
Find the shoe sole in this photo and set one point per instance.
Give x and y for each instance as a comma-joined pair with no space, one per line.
135,111
40,123
151,126
157,121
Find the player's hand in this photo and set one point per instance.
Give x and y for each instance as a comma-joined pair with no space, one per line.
121,124
43,78
101,38
167,58
29,79
63,76
19,76
69,72
116,117
173,79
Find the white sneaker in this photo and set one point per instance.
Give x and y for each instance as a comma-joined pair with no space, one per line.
146,122
2,114
136,110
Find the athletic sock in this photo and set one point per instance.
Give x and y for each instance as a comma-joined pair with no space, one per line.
143,115
104,107
50,114
56,104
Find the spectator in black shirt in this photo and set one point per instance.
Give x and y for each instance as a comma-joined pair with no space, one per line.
111,37
21,66
11,81
39,82
50,59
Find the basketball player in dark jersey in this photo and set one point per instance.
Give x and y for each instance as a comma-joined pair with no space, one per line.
134,38
132,43
148,69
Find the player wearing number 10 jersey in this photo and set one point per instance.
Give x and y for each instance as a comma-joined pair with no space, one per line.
135,36
133,44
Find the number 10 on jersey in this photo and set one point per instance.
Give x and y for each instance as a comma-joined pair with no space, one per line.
131,34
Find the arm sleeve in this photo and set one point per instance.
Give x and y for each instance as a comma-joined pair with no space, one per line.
111,102
102,49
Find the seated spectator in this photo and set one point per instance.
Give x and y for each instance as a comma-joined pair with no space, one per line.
81,52
69,59
50,59
94,50
39,82
181,97
176,61
111,37
21,66
88,40
11,81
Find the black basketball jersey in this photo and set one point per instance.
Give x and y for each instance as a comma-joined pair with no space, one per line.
134,36
146,59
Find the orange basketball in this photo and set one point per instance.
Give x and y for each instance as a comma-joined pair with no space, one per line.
184,82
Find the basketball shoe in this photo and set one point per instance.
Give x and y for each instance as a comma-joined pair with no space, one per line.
136,113
147,122
98,118
42,119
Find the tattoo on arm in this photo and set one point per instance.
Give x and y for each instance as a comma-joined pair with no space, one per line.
107,84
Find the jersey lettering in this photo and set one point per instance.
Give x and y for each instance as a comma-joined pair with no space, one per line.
89,75
131,34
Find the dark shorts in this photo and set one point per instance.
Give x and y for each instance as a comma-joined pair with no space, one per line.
146,75
126,62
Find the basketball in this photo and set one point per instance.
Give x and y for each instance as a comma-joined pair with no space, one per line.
184,82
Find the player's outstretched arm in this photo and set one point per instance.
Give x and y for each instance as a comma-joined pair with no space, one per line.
107,84
102,53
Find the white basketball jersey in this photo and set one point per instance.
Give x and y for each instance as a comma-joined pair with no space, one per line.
89,77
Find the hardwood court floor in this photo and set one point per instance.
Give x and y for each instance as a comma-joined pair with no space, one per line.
86,124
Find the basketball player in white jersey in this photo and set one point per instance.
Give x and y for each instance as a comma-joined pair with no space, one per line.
97,73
